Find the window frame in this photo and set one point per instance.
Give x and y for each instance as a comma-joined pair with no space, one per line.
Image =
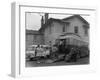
76,29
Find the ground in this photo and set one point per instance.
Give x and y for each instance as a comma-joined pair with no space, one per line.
37,64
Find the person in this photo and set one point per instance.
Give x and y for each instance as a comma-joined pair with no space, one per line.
54,53
61,47
69,57
36,50
72,55
50,47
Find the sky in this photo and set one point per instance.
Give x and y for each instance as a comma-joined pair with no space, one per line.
33,20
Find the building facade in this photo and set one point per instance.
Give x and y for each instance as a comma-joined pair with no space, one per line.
54,28
51,29
34,38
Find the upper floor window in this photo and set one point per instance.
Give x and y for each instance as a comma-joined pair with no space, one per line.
76,29
65,26
85,30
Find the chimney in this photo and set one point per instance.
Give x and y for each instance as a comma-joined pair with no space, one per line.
42,21
46,17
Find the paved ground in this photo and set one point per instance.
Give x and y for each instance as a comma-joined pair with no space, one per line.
37,64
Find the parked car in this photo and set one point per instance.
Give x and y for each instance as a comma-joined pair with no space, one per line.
37,51
42,51
30,52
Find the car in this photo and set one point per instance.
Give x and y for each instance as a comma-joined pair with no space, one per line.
35,52
30,55
30,52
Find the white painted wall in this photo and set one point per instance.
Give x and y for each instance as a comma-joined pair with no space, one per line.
77,22
56,30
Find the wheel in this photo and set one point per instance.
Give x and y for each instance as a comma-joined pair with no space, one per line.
31,59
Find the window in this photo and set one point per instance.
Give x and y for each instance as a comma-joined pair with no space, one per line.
65,25
76,29
85,30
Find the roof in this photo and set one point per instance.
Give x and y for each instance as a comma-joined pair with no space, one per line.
57,20
71,34
49,21
78,16
35,32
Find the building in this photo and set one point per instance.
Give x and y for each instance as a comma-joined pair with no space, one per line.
73,25
51,29
33,37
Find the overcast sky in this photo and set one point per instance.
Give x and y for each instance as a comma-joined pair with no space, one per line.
33,20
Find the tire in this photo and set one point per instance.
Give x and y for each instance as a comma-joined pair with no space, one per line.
31,59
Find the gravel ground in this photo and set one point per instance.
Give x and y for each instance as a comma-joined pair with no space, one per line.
80,61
